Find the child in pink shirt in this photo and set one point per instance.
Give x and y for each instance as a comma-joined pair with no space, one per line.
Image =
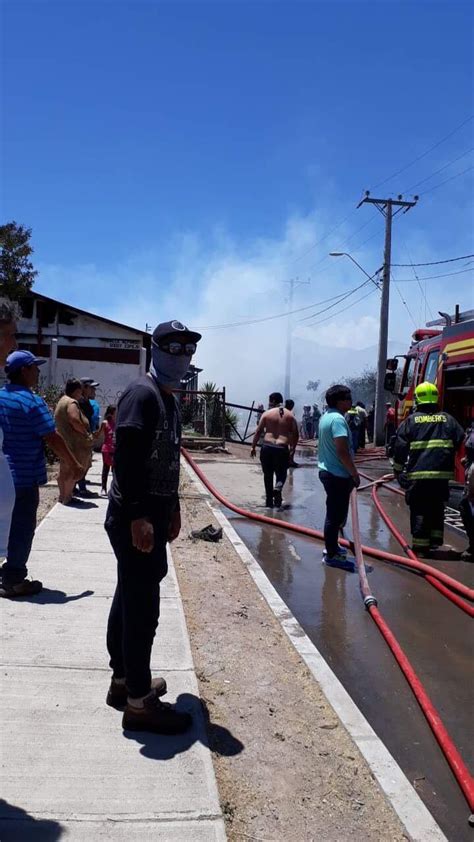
108,447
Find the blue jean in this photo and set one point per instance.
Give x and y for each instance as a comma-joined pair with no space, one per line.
338,492
22,531
7,501
355,439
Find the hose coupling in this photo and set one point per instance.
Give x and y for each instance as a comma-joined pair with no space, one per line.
369,601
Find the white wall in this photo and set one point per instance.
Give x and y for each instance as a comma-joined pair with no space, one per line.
91,332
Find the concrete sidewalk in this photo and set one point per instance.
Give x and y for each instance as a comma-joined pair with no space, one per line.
68,769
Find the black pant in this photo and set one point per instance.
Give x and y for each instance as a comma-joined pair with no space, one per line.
135,609
105,475
274,459
338,492
22,531
426,499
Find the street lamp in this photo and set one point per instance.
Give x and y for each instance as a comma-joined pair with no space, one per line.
346,254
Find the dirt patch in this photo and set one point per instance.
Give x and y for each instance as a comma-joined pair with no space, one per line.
286,768
49,492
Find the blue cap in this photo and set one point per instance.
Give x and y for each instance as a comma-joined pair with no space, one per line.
19,359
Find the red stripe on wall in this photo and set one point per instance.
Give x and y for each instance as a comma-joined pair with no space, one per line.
125,356
103,355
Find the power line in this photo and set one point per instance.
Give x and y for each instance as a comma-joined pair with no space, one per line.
403,301
436,262
444,167
367,240
347,295
432,277
344,219
352,304
423,291
424,154
346,241
336,298
328,234
430,189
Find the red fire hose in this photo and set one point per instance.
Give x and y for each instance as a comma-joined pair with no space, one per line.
419,566
458,767
469,609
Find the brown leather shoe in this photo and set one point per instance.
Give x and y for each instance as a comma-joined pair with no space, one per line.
118,693
155,716
28,587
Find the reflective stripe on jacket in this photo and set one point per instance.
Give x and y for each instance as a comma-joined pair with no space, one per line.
426,443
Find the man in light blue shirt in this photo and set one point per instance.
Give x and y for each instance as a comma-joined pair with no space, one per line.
337,472
27,424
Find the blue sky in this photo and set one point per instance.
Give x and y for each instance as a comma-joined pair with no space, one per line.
183,156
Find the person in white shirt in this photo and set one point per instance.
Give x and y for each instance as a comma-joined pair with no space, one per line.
9,314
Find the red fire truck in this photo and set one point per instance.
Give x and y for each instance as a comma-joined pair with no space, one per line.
443,355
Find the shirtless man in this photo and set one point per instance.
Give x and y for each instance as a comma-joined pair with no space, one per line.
280,438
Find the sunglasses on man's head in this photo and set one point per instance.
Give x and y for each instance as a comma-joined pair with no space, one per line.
178,348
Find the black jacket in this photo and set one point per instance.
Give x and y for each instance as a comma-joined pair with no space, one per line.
426,443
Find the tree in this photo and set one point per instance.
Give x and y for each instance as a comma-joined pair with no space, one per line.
17,274
313,385
362,386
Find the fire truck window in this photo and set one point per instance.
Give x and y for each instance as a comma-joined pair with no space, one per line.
408,374
432,367
421,363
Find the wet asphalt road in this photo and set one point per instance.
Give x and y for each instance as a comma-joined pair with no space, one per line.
436,636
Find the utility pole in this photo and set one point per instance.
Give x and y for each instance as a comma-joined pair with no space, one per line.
289,326
386,208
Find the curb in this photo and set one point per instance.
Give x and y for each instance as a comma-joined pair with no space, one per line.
410,809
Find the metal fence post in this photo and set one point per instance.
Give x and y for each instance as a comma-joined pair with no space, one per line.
223,416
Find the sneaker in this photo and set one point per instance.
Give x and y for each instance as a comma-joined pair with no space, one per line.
118,693
86,494
340,551
467,555
340,561
28,587
207,533
155,716
269,504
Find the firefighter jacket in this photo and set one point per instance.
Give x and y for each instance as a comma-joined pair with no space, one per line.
353,418
426,443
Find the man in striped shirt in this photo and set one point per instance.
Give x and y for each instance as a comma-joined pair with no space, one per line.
27,424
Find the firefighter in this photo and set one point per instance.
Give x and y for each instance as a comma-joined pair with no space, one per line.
423,463
354,423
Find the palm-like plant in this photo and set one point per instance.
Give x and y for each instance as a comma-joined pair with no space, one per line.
209,388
